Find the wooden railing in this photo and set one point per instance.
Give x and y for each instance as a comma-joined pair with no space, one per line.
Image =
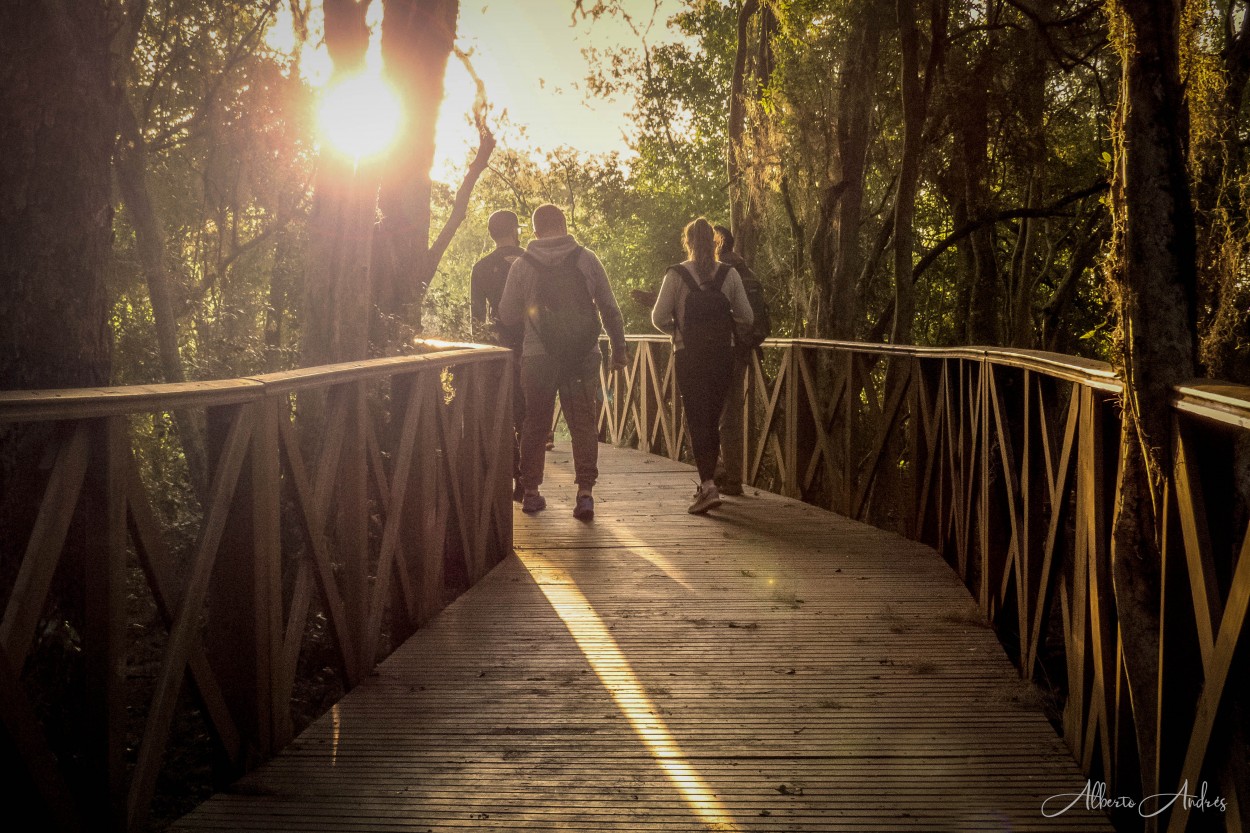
340,501
1005,461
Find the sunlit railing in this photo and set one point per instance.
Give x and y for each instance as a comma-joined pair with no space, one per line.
344,506
1005,461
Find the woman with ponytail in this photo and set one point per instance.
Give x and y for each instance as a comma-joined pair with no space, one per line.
701,304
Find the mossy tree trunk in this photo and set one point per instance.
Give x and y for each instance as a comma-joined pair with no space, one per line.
1152,269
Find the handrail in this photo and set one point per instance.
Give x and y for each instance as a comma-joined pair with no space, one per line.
81,403
1073,368
1006,461
1217,401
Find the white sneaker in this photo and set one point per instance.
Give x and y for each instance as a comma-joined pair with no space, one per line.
704,499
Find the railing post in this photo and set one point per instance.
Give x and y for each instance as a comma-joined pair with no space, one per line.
915,465
983,499
105,624
266,475
848,437
676,413
352,524
791,447
647,399
244,602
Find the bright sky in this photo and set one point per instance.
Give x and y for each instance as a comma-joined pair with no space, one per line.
528,53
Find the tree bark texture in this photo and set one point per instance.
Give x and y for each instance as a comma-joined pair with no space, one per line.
912,88
1153,269
58,124
736,130
1025,271
336,292
418,37
837,256
1156,275
57,127
1218,156
971,126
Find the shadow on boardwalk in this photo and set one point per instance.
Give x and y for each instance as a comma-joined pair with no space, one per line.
769,667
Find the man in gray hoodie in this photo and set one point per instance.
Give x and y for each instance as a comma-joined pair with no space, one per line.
543,374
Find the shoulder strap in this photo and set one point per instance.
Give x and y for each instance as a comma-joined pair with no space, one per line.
686,277
571,259
719,276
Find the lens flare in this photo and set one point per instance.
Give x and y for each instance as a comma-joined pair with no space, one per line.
360,116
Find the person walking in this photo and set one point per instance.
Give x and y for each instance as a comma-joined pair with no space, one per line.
700,304
558,292
486,285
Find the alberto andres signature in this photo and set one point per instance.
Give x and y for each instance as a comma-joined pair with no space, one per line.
1094,797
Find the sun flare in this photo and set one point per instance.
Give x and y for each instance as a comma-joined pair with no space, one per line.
360,116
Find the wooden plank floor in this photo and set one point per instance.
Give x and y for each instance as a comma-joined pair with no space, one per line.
769,667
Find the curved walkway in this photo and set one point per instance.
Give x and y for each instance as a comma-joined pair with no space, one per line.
770,667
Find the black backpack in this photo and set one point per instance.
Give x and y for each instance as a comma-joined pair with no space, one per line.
762,326
495,268
563,313
707,319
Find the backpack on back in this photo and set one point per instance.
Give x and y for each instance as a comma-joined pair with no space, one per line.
495,274
562,311
762,325
707,319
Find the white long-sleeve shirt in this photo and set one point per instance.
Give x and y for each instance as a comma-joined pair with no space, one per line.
670,305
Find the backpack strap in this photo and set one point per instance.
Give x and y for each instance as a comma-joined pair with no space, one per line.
719,276
717,281
684,274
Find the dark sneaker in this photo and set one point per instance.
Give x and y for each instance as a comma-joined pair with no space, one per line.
533,503
704,499
518,494
585,508
733,489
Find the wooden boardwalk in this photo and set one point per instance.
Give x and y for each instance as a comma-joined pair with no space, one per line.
770,667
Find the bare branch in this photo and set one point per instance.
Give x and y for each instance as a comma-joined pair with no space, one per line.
481,160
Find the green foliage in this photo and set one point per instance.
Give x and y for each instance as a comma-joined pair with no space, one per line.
226,125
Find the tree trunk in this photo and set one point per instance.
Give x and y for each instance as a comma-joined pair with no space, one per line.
58,120
1024,270
972,146
58,117
1153,269
417,40
912,88
837,258
335,302
736,130
1220,162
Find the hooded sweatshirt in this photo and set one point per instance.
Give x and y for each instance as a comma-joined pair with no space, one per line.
519,291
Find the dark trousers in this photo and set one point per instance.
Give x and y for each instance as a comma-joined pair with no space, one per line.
541,379
703,378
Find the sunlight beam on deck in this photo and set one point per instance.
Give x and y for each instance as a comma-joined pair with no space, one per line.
636,546
617,675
